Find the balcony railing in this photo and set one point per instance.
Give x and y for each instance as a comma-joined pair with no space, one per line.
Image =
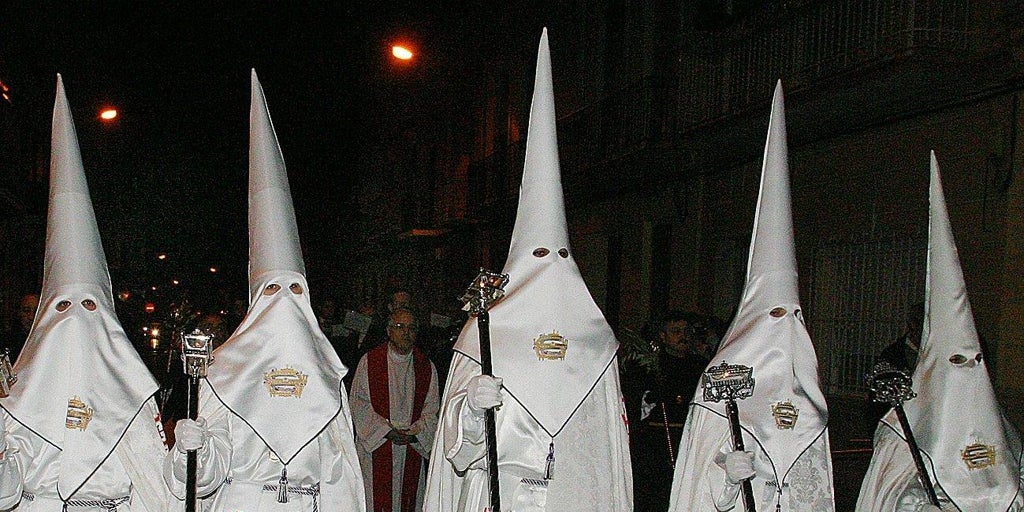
727,73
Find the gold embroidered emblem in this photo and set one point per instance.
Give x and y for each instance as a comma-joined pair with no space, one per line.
785,415
79,415
978,456
550,347
285,382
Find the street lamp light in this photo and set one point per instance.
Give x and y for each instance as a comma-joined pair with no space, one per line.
108,114
401,52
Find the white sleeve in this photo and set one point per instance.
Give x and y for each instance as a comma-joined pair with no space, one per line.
11,483
428,417
213,461
370,427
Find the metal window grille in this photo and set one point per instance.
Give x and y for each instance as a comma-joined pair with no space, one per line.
860,295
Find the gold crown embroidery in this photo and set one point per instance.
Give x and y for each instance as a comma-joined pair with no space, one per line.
285,382
785,415
550,347
79,415
978,456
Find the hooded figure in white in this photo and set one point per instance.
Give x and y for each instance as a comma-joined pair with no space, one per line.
561,434
971,451
275,431
785,421
82,425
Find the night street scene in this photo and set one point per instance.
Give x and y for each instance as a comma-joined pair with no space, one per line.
760,255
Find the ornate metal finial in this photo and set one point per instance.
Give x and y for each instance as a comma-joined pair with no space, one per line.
890,384
7,375
485,290
196,352
727,382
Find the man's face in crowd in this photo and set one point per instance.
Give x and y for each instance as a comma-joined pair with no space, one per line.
402,331
674,336
27,311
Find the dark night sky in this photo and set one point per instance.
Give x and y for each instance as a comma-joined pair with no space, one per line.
170,175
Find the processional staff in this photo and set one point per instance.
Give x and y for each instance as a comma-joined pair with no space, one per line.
731,382
196,357
894,386
483,292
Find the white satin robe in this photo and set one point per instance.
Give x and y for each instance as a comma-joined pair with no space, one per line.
592,466
235,464
891,483
132,470
700,483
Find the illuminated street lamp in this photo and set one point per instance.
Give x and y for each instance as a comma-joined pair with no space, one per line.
401,52
108,114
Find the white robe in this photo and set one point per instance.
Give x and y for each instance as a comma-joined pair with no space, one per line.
235,464
592,467
891,483
700,483
372,427
132,470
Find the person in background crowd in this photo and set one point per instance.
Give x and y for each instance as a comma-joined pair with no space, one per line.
664,404
15,338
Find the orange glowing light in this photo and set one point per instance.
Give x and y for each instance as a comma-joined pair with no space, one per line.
108,114
400,52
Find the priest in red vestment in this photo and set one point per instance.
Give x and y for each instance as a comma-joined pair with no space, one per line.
394,401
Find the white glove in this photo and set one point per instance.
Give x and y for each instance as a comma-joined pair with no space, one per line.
190,435
739,466
483,392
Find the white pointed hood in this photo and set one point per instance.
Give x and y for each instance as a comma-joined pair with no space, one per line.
956,407
545,293
77,349
768,332
278,363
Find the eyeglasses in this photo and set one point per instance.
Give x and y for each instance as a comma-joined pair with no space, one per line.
410,326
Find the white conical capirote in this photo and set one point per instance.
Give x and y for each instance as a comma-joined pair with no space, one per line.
540,218
768,332
956,405
546,293
74,252
273,232
77,351
280,332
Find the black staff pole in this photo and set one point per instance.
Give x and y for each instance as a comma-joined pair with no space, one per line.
196,356
486,289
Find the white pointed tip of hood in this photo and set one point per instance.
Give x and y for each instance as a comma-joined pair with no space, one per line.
772,248
948,310
273,234
540,219
74,252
